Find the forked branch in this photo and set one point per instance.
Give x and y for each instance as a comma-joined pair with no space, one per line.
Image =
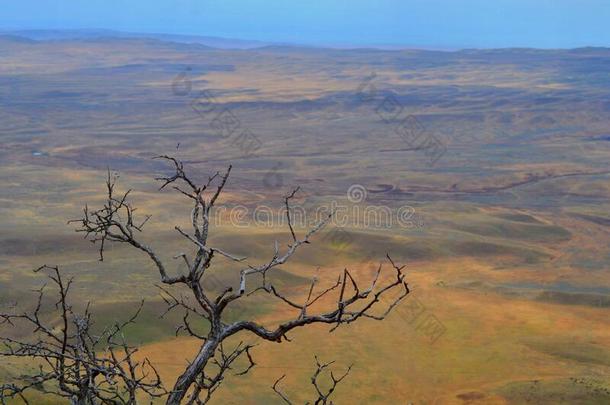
72,361
346,300
324,390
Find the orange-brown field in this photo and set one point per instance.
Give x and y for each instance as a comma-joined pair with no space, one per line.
507,253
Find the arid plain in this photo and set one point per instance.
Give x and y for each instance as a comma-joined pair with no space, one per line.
506,246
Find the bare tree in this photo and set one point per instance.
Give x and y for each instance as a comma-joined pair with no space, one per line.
322,394
72,361
116,222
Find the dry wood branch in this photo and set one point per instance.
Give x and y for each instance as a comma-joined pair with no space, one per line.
74,362
208,382
349,301
322,394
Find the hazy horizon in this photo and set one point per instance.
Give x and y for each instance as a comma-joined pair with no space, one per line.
220,42
439,24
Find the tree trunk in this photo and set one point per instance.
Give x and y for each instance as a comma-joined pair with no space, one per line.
187,379
82,400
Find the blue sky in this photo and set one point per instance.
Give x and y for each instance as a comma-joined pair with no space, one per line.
425,23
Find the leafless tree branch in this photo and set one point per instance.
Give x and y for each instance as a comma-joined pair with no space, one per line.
322,394
115,222
72,361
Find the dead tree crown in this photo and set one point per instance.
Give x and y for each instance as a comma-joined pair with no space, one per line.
116,222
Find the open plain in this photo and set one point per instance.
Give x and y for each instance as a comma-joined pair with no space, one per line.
506,242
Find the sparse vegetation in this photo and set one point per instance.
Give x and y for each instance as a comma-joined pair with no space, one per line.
527,260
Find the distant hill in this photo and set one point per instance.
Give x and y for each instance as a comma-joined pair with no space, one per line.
89,34
7,38
24,36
